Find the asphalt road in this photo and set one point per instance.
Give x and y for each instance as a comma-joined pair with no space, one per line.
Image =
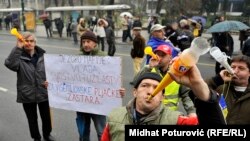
13,123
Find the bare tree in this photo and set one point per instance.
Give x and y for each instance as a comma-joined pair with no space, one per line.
139,6
159,6
246,8
63,3
47,3
224,7
56,2
71,3
210,6
9,4
110,12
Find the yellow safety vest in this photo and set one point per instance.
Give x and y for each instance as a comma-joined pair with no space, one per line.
171,97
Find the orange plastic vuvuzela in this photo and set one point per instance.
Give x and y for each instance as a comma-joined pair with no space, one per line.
148,50
18,35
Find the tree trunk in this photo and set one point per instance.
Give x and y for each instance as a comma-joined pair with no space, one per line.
47,3
110,12
158,6
63,3
56,3
9,5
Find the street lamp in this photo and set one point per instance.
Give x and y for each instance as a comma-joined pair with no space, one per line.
23,17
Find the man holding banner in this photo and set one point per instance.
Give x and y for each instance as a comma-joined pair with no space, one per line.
89,48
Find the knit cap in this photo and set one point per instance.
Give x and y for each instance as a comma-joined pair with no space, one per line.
147,75
89,35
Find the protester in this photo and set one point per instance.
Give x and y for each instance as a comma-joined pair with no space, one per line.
242,37
27,60
153,20
137,22
158,38
125,28
141,111
89,47
68,29
1,20
172,31
137,51
174,92
110,37
8,21
235,90
73,28
246,47
92,22
81,27
185,36
59,26
47,23
99,30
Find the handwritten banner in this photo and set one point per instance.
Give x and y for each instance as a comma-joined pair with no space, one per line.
84,83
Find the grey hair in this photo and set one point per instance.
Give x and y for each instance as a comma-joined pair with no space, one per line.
28,34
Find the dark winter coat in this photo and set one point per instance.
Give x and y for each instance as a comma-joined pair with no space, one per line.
246,48
47,23
139,44
30,78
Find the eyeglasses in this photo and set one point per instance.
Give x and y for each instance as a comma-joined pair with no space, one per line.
31,41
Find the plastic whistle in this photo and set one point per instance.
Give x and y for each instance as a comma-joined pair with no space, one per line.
18,35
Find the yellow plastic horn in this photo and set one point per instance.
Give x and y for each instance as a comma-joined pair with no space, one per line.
164,82
148,50
18,35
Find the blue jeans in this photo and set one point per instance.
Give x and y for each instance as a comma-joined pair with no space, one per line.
84,130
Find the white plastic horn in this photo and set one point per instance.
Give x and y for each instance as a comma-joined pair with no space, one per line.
221,57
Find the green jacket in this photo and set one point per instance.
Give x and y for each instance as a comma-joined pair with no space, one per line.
238,108
94,52
122,116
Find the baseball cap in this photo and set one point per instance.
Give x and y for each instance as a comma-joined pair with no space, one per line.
164,48
156,27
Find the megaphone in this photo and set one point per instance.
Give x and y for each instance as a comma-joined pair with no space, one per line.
148,50
14,32
221,57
